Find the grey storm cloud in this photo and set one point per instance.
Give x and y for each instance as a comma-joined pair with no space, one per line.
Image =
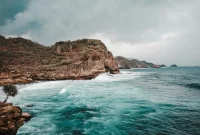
160,31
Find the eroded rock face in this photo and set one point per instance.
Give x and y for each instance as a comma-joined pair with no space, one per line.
11,118
23,61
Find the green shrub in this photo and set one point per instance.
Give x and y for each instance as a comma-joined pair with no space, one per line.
10,90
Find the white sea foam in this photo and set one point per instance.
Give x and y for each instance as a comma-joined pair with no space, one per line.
104,106
124,75
105,77
63,91
43,85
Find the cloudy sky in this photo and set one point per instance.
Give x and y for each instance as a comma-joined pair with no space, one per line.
159,31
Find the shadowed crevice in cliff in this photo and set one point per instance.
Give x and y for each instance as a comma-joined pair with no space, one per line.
23,61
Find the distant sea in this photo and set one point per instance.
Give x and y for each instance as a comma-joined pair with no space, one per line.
163,101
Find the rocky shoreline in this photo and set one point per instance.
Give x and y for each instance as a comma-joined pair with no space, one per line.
11,118
24,61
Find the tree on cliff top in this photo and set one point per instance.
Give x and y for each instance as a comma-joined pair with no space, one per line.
9,90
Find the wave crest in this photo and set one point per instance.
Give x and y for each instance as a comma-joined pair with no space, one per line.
124,75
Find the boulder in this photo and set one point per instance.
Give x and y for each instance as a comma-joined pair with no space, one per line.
11,119
26,116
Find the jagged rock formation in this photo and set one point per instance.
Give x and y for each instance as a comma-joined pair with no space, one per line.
125,63
11,119
23,61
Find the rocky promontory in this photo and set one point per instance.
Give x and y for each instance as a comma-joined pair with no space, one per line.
11,119
24,61
125,63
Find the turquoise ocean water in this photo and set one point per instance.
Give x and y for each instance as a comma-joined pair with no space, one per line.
162,101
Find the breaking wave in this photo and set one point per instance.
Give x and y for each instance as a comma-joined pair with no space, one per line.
143,101
124,75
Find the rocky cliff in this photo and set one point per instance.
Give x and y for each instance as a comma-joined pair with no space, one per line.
125,63
11,118
23,61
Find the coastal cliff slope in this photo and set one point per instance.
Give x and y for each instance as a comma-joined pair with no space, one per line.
24,61
125,63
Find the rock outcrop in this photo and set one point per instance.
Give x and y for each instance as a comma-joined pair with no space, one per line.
24,61
174,65
11,118
125,63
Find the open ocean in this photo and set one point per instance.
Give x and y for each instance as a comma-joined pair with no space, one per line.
163,101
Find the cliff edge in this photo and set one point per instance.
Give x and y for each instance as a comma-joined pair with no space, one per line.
24,61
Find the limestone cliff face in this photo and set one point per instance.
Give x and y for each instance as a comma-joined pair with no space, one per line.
23,61
11,118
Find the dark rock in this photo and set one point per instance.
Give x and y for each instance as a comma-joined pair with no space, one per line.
174,65
162,65
29,105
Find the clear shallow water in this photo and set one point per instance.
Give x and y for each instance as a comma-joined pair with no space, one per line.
135,102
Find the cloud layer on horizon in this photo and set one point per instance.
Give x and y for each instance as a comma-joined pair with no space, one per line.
157,31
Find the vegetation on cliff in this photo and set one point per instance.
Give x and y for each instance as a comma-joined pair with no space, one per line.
9,90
